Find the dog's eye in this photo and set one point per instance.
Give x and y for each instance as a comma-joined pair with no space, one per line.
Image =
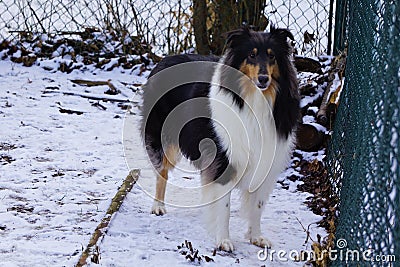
252,54
271,57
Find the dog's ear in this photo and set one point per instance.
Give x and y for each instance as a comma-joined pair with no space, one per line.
280,32
236,37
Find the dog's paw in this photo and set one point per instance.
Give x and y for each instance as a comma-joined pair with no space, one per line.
158,208
261,242
226,245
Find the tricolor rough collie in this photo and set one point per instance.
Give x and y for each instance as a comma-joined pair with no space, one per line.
235,120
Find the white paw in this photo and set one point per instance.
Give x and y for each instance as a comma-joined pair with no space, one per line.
261,242
226,245
158,208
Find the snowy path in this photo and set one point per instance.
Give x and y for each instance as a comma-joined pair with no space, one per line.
58,173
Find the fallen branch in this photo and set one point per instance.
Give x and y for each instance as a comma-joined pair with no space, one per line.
90,83
330,99
105,99
111,91
70,111
92,249
90,96
100,106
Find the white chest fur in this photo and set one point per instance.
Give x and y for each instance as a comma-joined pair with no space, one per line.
249,136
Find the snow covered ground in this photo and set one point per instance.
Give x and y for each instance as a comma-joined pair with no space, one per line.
59,172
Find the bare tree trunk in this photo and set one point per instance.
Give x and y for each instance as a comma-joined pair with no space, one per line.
213,18
226,19
200,27
251,12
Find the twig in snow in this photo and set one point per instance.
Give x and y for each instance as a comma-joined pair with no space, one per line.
112,91
92,250
307,231
70,111
89,96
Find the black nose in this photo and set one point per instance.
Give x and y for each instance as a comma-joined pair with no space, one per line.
263,80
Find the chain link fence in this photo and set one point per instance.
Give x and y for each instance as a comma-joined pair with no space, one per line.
309,20
164,25
364,152
159,23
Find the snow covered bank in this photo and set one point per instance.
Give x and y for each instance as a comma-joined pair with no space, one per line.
59,172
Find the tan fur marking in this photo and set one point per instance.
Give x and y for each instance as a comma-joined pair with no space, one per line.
273,73
170,156
269,51
168,162
251,71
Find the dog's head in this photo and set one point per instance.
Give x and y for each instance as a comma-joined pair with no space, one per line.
262,56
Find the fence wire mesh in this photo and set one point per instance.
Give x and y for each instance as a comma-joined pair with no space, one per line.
364,152
165,25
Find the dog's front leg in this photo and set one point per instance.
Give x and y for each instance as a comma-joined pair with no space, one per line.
252,208
222,208
217,200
